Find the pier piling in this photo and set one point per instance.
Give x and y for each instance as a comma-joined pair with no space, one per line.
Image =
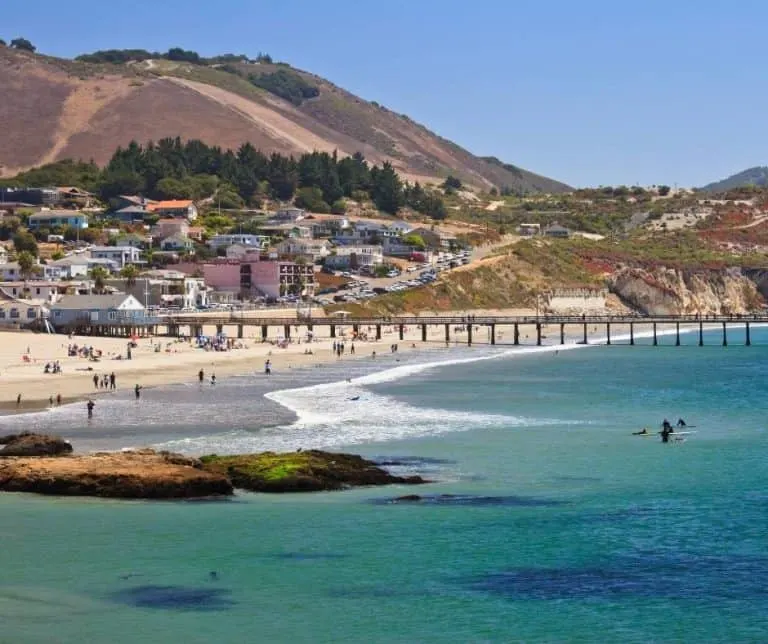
517,334
701,333
423,332
538,334
447,333
493,334
655,339
749,340
562,333
378,331
608,333
631,334
725,335
264,330
469,335
401,331
677,334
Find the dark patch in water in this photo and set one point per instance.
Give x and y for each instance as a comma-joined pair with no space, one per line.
669,578
577,479
411,461
467,500
180,598
307,556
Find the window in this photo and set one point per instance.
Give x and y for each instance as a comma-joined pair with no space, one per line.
31,314
2,314
14,291
37,291
112,315
57,314
14,313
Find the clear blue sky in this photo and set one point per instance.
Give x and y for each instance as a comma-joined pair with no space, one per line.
590,92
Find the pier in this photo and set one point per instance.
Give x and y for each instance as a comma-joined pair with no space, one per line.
499,330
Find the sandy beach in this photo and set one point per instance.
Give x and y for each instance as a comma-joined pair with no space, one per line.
161,360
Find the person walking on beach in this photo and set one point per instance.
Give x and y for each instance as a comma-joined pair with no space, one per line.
268,367
18,400
90,407
58,400
137,391
96,381
112,380
213,379
201,376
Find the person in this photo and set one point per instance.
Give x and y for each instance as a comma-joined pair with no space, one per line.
137,391
18,400
90,407
268,367
665,434
642,432
96,380
201,376
666,425
112,380
681,423
58,399
50,401
213,379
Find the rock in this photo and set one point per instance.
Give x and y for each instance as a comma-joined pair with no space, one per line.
308,471
29,444
408,498
124,475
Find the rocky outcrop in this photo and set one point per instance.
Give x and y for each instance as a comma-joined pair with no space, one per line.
29,444
309,471
672,291
143,474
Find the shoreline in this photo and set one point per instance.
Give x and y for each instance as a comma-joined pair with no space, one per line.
179,363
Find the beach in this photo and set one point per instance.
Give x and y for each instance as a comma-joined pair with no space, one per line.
160,360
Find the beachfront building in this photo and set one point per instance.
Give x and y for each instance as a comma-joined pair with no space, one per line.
82,310
174,208
355,257
224,241
165,288
33,290
57,219
18,311
120,255
250,276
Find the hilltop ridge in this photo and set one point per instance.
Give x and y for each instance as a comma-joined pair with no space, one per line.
85,108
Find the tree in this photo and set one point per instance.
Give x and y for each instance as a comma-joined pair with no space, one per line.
130,273
26,262
452,183
311,199
99,276
23,44
25,241
2,43
663,191
415,240
387,191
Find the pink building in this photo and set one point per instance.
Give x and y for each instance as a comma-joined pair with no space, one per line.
250,276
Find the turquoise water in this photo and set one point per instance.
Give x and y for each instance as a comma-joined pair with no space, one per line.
567,528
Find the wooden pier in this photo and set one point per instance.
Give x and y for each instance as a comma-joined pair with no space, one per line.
234,324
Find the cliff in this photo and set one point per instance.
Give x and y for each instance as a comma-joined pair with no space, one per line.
672,291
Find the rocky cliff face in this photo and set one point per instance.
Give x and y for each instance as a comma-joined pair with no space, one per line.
671,291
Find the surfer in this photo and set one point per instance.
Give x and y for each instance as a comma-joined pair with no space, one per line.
681,423
642,432
666,426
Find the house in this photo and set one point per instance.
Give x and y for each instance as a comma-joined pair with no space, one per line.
400,227
80,265
180,243
130,214
313,250
133,239
287,215
355,257
238,251
11,272
177,208
125,201
58,219
17,311
556,230
164,288
74,197
32,290
121,255
196,233
167,227
254,241
435,239
529,230
84,310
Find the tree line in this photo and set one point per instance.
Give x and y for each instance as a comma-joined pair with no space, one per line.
178,54
176,169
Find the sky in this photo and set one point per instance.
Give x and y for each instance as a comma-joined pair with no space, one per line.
589,92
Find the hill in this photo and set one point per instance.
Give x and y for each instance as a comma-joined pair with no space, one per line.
757,176
54,109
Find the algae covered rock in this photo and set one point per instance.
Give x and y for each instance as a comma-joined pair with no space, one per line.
302,471
29,444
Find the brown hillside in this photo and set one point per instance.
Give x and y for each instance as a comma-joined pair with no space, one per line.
54,109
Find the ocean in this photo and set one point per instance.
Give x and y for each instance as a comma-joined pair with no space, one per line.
547,521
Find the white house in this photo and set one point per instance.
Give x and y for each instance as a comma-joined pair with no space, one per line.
16,311
80,265
254,241
314,249
355,257
121,255
11,271
183,208
177,243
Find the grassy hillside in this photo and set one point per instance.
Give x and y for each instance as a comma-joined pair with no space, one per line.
757,176
56,109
